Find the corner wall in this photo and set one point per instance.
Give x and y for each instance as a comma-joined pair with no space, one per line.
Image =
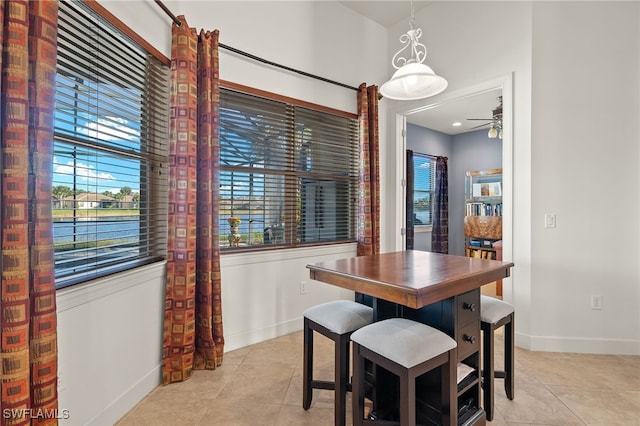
585,161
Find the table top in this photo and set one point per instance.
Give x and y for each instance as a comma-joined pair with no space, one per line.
411,278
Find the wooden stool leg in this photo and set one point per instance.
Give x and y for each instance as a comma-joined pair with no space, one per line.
407,399
307,373
357,387
449,390
341,377
509,354
487,367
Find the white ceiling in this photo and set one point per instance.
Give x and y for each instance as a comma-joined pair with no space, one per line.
441,118
386,13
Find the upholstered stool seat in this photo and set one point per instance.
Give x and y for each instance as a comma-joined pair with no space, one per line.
407,349
495,313
336,320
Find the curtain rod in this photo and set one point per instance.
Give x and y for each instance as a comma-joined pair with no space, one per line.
430,156
256,58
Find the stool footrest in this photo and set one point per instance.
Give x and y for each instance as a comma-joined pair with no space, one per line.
379,422
322,384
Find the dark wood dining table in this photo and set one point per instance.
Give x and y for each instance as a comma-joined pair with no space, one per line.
438,289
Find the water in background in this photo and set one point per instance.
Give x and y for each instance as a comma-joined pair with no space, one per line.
128,228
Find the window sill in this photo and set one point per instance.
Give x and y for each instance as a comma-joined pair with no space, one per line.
258,256
80,294
424,228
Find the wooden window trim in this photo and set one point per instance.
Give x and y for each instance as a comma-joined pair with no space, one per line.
285,99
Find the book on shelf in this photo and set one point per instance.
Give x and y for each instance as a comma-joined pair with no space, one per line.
483,209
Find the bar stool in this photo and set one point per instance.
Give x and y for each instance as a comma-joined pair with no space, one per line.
407,349
495,313
335,320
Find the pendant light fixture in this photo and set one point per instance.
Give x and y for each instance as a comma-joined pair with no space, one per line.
413,79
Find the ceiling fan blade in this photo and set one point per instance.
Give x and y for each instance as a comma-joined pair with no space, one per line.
482,125
483,119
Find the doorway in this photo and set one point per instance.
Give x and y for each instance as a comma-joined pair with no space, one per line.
409,118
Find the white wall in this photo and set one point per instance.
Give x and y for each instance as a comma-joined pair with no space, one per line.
110,332
261,292
585,145
109,344
567,127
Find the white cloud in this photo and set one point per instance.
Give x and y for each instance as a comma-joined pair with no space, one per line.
82,171
111,128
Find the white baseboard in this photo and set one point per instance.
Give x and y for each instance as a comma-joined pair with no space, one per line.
129,399
251,337
578,345
525,341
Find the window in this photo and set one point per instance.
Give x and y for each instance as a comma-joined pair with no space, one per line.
110,143
423,181
288,173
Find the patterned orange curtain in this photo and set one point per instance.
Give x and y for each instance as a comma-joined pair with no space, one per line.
29,353
369,172
193,335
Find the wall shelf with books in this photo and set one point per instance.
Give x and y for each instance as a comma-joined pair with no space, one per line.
483,216
483,193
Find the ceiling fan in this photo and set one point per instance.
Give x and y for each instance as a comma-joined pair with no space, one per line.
495,121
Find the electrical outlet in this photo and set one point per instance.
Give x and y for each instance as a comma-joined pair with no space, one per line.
596,302
303,287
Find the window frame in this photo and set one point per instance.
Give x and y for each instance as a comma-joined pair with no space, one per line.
417,155
352,206
152,153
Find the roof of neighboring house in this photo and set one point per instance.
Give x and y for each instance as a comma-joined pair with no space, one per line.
89,197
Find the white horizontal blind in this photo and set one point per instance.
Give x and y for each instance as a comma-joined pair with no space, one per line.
110,149
423,181
289,173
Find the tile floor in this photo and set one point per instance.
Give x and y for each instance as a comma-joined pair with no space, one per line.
262,385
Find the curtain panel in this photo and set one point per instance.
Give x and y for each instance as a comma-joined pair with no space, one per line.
440,229
29,353
193,333
369,172
409,225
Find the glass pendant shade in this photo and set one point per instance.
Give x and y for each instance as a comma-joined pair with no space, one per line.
413,81
493,133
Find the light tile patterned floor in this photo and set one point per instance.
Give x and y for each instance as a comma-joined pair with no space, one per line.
262,385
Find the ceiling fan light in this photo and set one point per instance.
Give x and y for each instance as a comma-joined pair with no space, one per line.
493,133
500,134
413,81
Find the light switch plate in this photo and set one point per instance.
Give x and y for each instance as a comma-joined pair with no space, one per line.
550,220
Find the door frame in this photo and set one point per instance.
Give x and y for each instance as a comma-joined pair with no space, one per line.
504,83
